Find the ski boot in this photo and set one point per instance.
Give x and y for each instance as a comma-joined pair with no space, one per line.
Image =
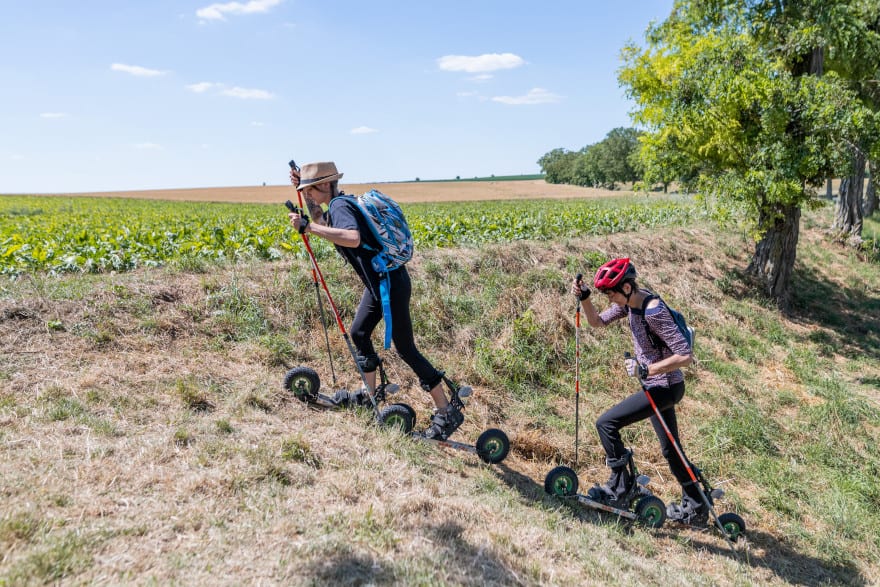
447,420
350,399
624,486
444,422
690,512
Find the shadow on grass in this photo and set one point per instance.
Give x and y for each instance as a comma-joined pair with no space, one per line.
779,557
462,563
851,313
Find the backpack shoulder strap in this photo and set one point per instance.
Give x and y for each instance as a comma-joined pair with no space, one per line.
655,340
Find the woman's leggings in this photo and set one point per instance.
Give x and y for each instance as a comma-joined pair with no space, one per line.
636,408
367,317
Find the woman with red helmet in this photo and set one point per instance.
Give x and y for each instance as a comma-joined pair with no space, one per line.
660,352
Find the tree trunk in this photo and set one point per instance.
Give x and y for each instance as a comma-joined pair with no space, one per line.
829,193
870,193
848,219
775,254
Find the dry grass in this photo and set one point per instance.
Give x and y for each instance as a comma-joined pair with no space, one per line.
143,441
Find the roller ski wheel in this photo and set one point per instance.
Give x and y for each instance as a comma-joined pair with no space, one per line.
561,482
651,511
493,446
734,526
399,416
303,383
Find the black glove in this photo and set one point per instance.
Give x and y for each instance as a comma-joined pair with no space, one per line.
585,293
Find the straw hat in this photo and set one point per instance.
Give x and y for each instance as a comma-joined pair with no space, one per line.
317,173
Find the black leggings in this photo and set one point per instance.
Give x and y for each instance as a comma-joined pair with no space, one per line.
636,408
367,317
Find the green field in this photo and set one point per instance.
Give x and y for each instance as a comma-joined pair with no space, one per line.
94,235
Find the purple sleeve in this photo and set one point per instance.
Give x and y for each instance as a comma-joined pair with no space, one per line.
664,327
612,313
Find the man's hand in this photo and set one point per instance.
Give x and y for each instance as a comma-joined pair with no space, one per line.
299,221
634,368
294,176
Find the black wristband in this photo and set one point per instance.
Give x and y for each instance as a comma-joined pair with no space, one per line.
585,293
643,371
304,225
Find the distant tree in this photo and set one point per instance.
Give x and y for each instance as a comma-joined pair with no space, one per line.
417,179
457,177
604,164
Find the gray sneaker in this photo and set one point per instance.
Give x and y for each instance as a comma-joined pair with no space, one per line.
444,422
689,511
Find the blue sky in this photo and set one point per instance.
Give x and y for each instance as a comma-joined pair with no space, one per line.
112,95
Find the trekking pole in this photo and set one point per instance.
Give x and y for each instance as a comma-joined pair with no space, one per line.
345,336
685,462
295,167
577,371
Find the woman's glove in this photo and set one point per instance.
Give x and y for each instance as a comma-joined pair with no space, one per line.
580,290
634,368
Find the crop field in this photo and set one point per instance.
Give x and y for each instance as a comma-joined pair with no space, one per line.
94,235
404,192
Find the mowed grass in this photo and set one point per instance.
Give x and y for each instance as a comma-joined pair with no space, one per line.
145,437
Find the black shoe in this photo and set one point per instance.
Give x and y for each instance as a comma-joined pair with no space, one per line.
689,511
350,399
444,422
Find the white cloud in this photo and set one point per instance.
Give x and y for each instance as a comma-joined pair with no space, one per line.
201,87
483,77
535,96
137,70
247,94
219,11
147,146
255,123
54,115
363,130
480,63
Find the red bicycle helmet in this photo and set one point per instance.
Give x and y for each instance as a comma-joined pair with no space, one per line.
613,273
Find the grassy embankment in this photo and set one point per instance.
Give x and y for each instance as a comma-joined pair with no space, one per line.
144,436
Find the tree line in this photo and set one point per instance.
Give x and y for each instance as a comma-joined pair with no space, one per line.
755,103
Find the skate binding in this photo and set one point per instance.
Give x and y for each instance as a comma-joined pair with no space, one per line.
635,502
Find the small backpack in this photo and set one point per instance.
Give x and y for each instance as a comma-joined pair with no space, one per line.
686,331
389,227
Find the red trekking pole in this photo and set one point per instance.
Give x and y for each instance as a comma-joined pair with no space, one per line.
305,238
318,276
577,371
730,522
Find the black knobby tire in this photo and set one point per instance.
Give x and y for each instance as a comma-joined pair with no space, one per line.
561,482
399,416
651,511
734,526
493,446
303,383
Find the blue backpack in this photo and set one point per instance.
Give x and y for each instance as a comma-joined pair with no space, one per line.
390,229
686,331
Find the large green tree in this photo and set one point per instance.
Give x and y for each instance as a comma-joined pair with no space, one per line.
750,116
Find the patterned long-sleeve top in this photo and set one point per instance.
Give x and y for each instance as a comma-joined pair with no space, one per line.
661,324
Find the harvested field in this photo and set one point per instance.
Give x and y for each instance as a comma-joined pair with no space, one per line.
417,191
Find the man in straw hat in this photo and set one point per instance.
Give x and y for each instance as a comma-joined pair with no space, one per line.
345,226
